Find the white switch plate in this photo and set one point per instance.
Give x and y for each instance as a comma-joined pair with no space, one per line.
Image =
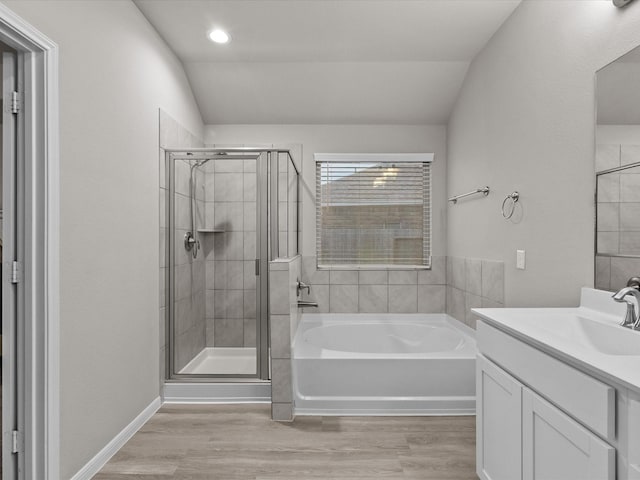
520,259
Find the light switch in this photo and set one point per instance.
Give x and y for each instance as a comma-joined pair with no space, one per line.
520,259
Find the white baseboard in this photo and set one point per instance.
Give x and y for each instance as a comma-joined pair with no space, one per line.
224,393
103,456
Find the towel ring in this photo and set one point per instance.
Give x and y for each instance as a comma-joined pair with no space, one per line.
510,207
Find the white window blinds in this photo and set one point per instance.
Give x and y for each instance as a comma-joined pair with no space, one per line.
373,210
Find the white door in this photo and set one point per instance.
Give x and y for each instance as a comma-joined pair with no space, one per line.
556,447
499,423
12,239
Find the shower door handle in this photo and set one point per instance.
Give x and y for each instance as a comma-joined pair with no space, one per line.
257,267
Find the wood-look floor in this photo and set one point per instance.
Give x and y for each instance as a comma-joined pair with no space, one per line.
240,442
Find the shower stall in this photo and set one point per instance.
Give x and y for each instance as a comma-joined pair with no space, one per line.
230,211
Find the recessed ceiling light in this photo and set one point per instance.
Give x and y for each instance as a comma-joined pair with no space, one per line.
218,36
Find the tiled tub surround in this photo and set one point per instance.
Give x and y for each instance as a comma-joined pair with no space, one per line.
437,290
230,206
618,206
376,291
174,135
284,319
473,283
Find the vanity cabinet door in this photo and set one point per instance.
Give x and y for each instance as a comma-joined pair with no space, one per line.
633,434
498,423
556,447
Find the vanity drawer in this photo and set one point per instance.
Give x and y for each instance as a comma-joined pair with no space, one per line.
583,397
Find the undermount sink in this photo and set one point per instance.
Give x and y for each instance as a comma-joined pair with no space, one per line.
602,336
607,339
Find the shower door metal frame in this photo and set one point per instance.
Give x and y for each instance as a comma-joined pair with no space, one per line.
262,269
266,250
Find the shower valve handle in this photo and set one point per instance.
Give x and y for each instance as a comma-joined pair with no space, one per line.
189,241
302,286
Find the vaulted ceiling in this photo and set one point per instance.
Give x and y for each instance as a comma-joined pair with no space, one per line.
327,61
617,93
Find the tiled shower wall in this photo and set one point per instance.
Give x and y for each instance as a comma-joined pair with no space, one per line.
443,288
618,206
188,282
189,273
618,211
230,195
612,272
288,203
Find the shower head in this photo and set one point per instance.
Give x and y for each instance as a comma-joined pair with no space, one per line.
199,163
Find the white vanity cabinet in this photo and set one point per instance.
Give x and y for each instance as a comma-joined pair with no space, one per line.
524,429
555,447
499,423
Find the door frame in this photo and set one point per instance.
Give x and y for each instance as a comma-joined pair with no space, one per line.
38,151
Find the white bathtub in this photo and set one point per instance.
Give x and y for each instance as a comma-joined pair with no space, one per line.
383,364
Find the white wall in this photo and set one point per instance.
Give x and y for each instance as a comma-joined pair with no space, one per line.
347,139
525,121
115,72
617,103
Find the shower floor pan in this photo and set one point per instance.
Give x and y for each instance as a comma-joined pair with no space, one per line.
223,360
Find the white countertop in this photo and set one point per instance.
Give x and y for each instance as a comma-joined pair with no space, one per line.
560,333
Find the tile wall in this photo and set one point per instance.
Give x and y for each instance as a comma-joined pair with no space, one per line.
618,205
190,297
613,272
473,283
437,290
288,201
618,221
287,194
230,207
284,318
376,291
189,318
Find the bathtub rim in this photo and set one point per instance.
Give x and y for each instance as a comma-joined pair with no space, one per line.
302,350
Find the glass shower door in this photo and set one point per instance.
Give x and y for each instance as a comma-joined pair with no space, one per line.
215,287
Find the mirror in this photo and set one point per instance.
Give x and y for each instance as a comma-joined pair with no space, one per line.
617,168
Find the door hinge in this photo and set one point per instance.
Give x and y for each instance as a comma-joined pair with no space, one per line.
15,442
257,267
16,272
15,102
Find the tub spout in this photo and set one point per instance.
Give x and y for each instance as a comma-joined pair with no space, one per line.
306,303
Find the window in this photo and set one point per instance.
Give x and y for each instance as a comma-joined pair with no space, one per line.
373,210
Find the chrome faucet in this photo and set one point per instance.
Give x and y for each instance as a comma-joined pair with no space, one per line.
632,317
306,303
302,286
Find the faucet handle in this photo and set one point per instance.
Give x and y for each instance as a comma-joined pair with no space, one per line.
301,286
634,282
